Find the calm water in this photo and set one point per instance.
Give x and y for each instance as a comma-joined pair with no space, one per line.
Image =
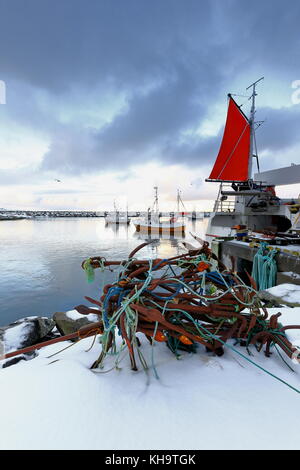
41,261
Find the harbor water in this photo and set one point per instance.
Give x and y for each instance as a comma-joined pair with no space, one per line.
41,260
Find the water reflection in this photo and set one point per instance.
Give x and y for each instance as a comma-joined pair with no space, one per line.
157,236
40,260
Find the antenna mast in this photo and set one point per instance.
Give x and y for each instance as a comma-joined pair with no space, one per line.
155,205
251,120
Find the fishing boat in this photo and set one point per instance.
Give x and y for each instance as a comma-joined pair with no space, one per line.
155,224
117,217
195,215
242,199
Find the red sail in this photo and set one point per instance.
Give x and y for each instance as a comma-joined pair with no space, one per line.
233,158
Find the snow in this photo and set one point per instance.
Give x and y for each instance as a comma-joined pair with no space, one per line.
239,242
199,402
291,274
290,249
74,315
290,316
14,337
287,292
32,317
293,248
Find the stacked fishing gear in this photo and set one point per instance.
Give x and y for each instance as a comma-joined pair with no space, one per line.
185,301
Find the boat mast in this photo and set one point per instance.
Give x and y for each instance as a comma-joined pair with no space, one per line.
252,123
179,200
155,205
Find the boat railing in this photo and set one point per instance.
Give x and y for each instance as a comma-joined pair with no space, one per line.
224,203
225,206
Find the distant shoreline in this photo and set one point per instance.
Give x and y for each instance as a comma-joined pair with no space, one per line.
24,214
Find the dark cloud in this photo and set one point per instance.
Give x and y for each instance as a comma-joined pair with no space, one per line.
152,126
170,61
280,129
264,35
54,44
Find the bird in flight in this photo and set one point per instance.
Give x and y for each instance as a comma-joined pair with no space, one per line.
58,181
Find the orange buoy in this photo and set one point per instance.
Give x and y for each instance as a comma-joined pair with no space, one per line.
160,337
202,266
185,340
123,282
198,338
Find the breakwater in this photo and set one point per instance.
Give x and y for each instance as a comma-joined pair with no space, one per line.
73,213
54,213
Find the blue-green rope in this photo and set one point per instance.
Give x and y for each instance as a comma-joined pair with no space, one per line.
264,269
232,348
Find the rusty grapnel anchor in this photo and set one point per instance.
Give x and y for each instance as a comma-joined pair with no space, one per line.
184,301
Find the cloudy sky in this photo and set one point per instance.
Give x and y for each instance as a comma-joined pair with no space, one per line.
113,97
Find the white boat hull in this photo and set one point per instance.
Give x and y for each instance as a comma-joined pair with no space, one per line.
159,228
220,224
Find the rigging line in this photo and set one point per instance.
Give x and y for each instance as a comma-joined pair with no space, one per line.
256,153
232,152
245,102
182,202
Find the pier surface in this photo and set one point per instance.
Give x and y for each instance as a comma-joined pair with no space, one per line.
288,257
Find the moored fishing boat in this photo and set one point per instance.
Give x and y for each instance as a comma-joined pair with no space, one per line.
195,215
154,223
117,217
242,199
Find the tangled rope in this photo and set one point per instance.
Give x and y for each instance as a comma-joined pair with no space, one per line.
184,301
264,269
